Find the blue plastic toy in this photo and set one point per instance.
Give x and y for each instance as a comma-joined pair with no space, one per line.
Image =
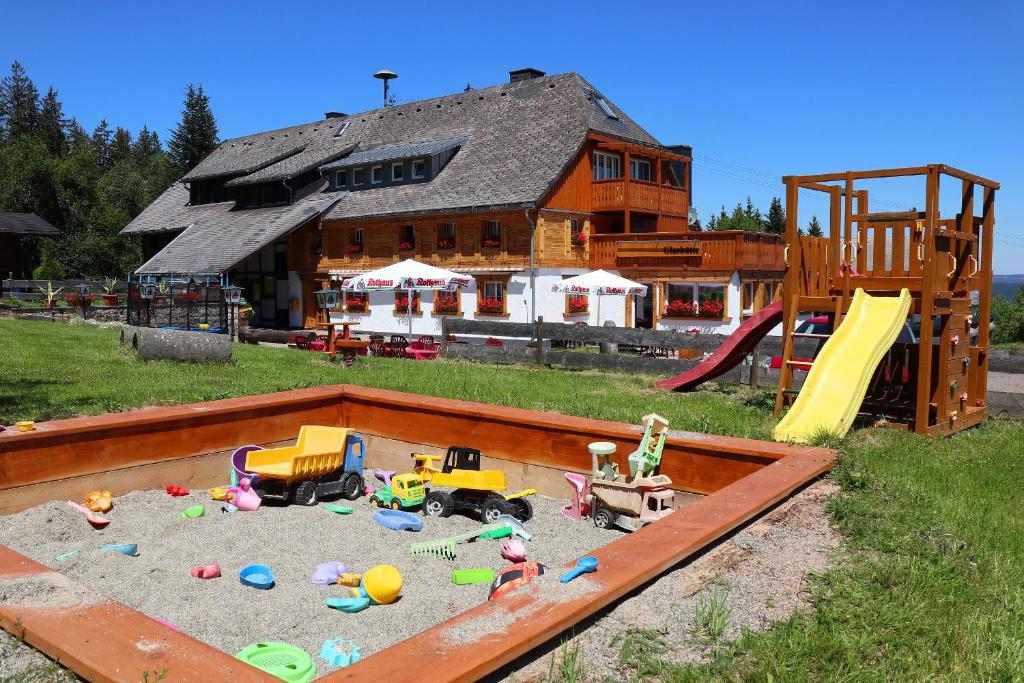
398,520
350,605
257,576
584,565
123,548
340,652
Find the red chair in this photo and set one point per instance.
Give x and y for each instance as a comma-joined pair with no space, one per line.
378,347
426,339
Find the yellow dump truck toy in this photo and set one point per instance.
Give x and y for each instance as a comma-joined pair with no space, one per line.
474,490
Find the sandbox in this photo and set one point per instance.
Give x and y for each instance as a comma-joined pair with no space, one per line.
436,632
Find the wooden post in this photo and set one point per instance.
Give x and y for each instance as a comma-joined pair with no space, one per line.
791,291
924,342
625,189
988,224
538,334
755,371
835,236
444,331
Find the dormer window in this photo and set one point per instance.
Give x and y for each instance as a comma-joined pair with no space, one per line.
341,179
358,176
397,172
377,174
602,104
419,169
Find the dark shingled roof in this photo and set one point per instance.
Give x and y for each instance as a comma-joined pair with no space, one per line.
516,139
25,224
379,155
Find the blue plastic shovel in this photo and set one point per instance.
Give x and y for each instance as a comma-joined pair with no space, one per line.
584,565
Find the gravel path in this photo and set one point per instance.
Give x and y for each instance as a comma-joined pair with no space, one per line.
1004,381
292,540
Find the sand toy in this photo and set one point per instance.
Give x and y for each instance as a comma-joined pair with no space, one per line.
327,573
398,520
445,547
514,576
349,605
518,528
339,652
584,565
97,521
99,501
282,660
465,577
513,550
177,491
349,579
257,576
325,461
210,571
67,556
130,549
243,497
193,512
338,509
382,584
238,470
475,490
218,492
25,425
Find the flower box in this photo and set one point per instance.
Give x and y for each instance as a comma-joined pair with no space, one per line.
356,304
354,248
578,239
491,306
710,308
490,243
406,246
79,300
578,304
681,308
402,304
446,244
446,304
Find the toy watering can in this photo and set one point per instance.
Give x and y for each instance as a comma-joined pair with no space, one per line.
243,497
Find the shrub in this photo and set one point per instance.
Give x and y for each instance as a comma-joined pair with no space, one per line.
1009,318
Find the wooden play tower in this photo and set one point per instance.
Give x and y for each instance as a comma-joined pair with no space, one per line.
935,382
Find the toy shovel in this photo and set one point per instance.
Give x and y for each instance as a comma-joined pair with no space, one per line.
584,565
97,521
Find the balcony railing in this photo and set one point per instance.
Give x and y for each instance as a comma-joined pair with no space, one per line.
726,250
610,195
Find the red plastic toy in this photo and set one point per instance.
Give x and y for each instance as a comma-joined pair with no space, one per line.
177,490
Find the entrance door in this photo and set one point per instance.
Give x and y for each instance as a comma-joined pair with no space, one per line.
644,314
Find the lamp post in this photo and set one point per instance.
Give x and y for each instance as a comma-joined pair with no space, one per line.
83,290
147,290
232,296
206,278
326,299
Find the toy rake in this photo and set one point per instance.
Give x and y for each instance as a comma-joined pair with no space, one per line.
445,547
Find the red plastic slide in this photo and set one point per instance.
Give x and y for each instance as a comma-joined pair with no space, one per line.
732,351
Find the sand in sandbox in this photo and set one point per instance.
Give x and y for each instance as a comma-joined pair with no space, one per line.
292,540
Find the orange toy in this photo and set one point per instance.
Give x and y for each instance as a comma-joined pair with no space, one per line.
99,501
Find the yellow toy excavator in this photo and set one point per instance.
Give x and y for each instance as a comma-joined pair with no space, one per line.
475,490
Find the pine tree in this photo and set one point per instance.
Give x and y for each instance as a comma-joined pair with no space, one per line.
750,212
121,147
52,124
101,144
196,134
19,104
713,223
775,222
146,145
814,228
77,138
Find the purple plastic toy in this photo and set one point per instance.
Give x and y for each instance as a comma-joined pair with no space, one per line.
328,573
238,464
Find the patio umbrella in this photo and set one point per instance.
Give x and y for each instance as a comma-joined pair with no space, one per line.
599,282
410,275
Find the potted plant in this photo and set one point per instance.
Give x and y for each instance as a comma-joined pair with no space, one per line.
354,248
405,245
357,303
491,306
681,308
109,289
446,303
79,301
578,239
446,243
490,243
50,293
710,308
578,304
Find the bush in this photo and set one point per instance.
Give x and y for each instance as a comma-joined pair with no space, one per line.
1009,318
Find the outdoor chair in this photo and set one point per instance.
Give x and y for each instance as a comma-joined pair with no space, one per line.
426,339
399,339
378,347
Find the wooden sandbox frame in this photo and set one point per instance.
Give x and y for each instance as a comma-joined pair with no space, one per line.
103,640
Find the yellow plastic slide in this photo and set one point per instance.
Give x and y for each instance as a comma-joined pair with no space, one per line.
838,379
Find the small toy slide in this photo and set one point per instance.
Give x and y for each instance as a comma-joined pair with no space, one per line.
839,377
732,351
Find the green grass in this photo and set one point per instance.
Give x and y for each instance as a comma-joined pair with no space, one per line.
1010,346
928,585
52,371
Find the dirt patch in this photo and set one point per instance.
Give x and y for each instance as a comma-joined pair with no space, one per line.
753,579
49,591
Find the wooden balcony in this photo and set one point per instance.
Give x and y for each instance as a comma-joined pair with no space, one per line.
721,251
610,195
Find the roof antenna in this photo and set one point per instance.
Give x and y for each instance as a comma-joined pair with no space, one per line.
386,75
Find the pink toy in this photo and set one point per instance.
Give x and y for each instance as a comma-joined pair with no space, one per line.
166,623
210,571
513,550
579,507
243,497
97,521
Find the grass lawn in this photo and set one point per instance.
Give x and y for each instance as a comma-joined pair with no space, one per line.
928,585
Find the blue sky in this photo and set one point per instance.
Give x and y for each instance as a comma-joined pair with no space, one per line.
758,90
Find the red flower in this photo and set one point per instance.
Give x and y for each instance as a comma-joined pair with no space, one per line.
490,242
402,303
354,248
578,239
710,308
357,303
446,243
491,305
405,246
446,304
578,304
681,307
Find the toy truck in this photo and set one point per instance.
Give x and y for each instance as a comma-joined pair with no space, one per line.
474,490
405,491
324,462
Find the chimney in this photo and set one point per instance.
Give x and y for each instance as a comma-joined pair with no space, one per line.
524,74
334,115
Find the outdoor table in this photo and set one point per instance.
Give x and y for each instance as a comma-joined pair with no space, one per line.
420,354
349,349
332,335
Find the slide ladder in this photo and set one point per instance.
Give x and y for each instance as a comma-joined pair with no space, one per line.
832,394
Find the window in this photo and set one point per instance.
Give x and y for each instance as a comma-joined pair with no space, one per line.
407,238
672,173
356,245
402,302
446,236
602,104
576,304
695,300
607,166
491,299
492,235
341,129
341,179
357,236
419,168
577,237
640,169
358,176
377,174
397,171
